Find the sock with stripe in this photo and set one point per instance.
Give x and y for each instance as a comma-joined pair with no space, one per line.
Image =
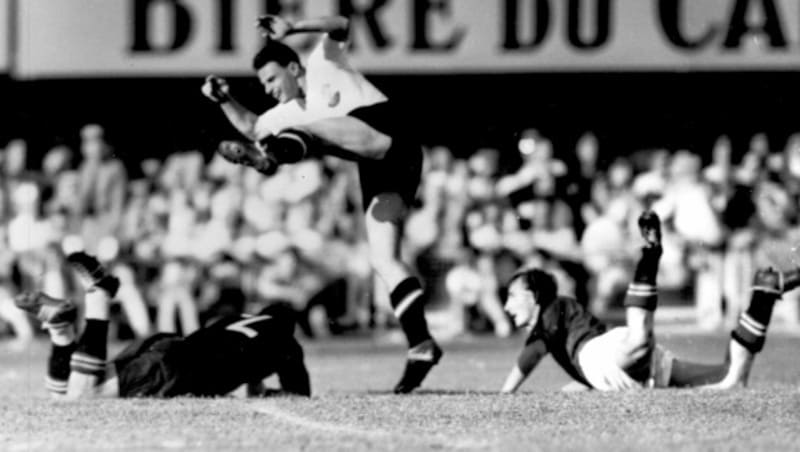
407,303
58,368
289,146
90,356
751,330
643,291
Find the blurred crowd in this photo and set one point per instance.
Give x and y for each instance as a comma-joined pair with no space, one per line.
192,238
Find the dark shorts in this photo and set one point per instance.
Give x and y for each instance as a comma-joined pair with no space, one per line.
149,368
401,169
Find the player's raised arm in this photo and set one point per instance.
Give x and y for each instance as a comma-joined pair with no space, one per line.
216,89
527,361
276,27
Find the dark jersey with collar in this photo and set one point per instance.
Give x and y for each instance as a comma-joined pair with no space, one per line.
213,360
564,326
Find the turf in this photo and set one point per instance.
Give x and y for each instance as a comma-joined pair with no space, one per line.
457,408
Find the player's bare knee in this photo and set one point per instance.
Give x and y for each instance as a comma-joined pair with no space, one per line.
387,208
375,145
382,263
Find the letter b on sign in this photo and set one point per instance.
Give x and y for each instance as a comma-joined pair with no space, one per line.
170,17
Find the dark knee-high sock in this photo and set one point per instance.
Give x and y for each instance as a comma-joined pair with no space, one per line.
58,367
407,303
289,146
751,330
643,291
90,356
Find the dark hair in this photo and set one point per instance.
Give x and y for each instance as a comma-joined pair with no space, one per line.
275,51
540,282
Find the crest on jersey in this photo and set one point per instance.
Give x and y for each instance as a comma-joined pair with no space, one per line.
334,99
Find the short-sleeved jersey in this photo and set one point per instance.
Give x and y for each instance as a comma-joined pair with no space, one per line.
333,88
564,326
212,361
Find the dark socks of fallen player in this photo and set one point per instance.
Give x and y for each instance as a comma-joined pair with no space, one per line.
58,367
406,300
751,330
643,292
90,355
289,146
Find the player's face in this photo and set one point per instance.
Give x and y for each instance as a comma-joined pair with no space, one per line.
521,304
280,82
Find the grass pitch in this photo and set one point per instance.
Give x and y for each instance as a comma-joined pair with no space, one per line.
457,409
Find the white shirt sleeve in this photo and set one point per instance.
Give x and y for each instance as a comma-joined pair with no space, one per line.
334,87
278,118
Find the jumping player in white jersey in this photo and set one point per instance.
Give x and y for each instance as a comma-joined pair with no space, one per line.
325,106
627,357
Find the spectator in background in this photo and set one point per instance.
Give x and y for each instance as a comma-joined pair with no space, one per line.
15,161
553,236
22,237
791,170
578,193
10,316
538,175
649,185
732,200
686,204
103,185
178,273
609,255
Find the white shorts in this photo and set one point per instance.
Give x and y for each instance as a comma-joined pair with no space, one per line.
596,359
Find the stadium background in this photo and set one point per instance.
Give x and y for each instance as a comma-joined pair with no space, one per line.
469,74
674,98
647,95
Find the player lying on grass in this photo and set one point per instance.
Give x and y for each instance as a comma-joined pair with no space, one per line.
212,361
627,357
325,106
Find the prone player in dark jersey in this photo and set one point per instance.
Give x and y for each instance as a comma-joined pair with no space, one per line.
628,357
213,361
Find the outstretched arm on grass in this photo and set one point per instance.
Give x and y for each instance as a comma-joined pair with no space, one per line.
527,361
293,375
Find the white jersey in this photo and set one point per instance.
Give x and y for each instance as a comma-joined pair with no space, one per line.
333,88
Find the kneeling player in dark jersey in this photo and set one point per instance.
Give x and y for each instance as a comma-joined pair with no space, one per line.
627,357
213,361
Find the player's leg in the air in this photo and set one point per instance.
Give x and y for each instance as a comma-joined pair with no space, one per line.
622,357
77,366
747,338
58,318
367,133
352,136
347,137
641,301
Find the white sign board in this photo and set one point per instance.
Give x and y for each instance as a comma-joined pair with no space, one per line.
80,38
5,32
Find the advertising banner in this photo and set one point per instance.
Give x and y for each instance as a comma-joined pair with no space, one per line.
99,38
5,32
